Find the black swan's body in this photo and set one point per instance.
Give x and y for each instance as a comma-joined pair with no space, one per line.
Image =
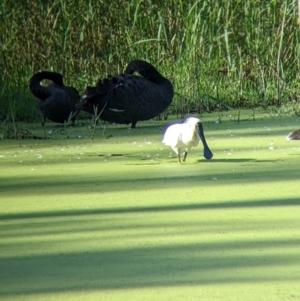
56,101
127,98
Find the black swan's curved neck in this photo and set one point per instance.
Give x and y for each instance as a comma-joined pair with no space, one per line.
35,83
145,69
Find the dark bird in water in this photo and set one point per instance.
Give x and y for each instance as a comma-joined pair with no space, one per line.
128,98
294,135
56,101
185,136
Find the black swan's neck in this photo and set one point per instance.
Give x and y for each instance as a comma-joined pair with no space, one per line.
35,83
145,69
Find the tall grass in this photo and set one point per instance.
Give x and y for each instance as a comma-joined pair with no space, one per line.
241,53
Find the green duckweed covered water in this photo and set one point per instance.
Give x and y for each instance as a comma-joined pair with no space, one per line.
118,218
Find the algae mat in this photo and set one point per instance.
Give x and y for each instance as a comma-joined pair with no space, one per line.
118,218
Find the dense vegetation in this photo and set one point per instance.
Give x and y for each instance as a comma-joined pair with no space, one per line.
243,53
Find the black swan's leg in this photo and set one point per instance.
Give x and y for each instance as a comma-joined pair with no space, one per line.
133,124
43,125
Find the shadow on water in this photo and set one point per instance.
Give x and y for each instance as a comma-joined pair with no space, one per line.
146,263
215,160
166,208
175,160
48,263
149,266
168,177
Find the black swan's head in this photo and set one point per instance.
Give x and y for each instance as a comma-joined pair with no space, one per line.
145,69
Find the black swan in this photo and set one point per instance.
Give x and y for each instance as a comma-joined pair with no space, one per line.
128,98
185,136
56,101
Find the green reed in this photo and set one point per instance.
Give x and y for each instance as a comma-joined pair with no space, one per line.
240,53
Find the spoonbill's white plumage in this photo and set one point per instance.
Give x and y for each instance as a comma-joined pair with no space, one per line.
184,136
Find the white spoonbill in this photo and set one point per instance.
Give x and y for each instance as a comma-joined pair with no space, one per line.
185,136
